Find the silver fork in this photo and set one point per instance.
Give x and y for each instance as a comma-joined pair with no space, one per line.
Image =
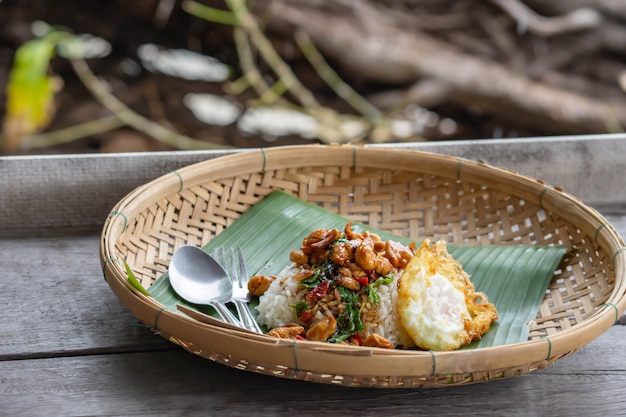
238,274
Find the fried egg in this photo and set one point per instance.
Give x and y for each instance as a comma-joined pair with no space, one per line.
437,303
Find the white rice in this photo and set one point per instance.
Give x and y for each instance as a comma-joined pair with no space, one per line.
275,308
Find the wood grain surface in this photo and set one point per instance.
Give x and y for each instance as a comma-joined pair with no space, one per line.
80,190
68,347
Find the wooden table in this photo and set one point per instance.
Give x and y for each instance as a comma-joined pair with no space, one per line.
68,347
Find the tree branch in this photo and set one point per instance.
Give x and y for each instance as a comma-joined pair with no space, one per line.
389,54
575,20
124,113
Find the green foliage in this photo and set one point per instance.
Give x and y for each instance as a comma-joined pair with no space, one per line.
132,279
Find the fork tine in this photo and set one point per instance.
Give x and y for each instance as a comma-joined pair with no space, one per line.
218,256
228,266
235,275
215,254
223,256
239,275
243,278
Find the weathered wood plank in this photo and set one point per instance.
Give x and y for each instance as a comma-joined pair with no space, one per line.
79,190
178,383
55,300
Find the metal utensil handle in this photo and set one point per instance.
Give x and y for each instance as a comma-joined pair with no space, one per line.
226,315
246,317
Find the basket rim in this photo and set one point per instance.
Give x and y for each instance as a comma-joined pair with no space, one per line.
546,349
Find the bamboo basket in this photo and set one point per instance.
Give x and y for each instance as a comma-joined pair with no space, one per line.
416,194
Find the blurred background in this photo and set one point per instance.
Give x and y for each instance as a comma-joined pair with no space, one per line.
155,75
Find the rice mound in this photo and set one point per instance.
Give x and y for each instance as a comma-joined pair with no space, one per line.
276,308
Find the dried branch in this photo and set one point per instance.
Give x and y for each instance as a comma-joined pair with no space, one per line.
333,80
248,22
579,19
607,7
357,40
611,34
128,116
72,133
248,34
252,76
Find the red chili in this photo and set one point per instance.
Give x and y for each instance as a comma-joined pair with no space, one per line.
319,291
356,338
306,317
363,280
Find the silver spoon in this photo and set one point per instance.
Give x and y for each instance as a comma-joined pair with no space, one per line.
199,279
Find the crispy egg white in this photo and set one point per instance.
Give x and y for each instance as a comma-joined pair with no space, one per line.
437,304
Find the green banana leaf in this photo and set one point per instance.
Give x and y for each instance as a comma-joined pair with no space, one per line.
515,278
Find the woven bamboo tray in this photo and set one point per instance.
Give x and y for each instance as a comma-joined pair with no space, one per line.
411,193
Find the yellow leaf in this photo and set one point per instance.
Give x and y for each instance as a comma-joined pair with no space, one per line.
30,91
